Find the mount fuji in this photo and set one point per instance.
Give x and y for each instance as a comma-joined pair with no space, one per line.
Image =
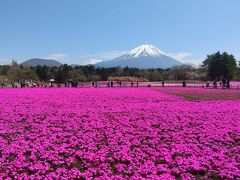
143,57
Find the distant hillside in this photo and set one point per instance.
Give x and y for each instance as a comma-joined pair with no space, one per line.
37,61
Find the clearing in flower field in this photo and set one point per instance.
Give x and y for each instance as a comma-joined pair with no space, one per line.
202,94
116,133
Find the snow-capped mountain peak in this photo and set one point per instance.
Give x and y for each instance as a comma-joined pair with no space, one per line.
143,57
145,50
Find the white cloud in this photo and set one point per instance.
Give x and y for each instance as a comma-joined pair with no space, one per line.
91,61
180,56
186,57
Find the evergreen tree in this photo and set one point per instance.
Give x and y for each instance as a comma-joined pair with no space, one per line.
220,66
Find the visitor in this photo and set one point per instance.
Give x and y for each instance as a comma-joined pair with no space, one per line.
223,83
132,84
137,83
72,83
184,83
220,84
215,84
2,84
111,83
228,84
21,84
120,83
13,85
163,83
207,84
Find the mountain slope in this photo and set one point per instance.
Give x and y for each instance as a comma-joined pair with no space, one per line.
144,57
37,61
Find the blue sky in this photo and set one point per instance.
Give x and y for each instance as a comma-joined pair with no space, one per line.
83,31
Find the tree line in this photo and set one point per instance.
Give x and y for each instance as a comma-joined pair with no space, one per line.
215,67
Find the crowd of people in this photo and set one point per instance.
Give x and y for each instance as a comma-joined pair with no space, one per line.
115,84
225,84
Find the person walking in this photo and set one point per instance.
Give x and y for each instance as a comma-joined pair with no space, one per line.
215,84
223,83
163,83
13,85
207,84
184,83
132,84
228,84
21,84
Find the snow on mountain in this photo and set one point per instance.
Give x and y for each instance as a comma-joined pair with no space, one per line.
146,50
144,57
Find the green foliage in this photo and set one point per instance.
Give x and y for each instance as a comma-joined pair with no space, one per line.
42,72
237,74
220,66
81,78
65,72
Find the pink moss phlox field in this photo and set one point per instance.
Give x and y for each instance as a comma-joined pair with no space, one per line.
118,133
